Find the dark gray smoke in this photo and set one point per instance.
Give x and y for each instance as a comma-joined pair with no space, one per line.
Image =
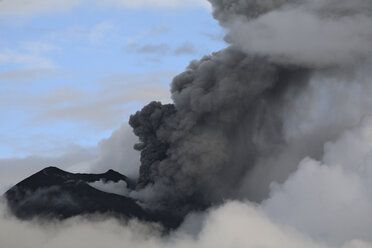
310,33
153,149
226,113
230,132
225,11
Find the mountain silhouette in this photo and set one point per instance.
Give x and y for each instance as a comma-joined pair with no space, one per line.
56,194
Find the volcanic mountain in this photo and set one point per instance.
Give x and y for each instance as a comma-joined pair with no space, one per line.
56,194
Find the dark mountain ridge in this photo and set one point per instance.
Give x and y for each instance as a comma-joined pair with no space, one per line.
56,194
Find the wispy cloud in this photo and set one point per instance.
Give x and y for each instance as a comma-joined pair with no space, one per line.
25,59
214,36
34,7
37,47
148,32
158,30
31,7
104,107
99,33
161,48
159,4
185,48
21,75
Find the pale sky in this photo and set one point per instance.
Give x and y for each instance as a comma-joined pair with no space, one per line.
72,71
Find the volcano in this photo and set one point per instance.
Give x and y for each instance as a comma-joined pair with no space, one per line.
56,194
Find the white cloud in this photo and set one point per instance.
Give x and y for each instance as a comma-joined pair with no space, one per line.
232,225
25,59
22,75
160,4
158,49
30,7
330,199
101,31
37,47
105,107
185,48
118,188
117,153
34,7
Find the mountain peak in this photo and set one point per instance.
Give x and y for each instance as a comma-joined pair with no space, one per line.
54,193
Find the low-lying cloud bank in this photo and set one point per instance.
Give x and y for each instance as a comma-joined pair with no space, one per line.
324,204
235,224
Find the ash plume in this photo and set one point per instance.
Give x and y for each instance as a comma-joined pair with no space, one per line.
231,131
316,34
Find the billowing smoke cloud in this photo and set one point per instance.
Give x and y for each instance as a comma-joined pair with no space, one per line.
311,33
295,76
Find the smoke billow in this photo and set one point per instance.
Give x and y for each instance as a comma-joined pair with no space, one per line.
246,116
309,33
220,121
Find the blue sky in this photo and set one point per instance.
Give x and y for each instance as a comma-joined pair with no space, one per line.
71,72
